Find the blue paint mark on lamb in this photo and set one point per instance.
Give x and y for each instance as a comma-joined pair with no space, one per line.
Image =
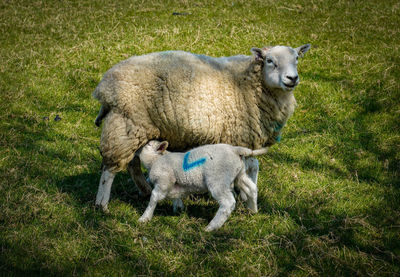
190,165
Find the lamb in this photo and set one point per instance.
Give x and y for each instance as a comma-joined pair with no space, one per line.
210,168
191,100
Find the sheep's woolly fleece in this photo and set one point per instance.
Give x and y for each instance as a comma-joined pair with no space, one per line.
188,100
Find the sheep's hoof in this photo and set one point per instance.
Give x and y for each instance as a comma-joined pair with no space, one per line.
104,209
144,195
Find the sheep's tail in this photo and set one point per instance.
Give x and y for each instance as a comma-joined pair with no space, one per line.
102,114
99,94
246,152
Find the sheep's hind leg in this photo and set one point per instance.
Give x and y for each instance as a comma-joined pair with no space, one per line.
226,206
136,173
103,194
250,188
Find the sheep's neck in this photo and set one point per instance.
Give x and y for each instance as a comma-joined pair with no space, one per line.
274,108
273,120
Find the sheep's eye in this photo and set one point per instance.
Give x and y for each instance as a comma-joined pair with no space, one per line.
297,58
269,61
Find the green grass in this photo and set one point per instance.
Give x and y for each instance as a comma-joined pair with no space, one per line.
329,199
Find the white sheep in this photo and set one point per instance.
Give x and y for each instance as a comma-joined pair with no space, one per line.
213,168
192,100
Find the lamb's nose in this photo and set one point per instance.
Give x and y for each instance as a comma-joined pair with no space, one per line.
293,78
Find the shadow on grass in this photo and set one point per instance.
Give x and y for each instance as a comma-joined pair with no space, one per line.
34,262
371,101
83,188
321,233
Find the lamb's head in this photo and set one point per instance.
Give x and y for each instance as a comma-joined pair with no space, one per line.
280,65
149,153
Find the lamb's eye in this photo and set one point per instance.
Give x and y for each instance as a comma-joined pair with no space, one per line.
270,61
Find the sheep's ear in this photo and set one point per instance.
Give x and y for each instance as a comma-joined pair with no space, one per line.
162,147
303,49
258,53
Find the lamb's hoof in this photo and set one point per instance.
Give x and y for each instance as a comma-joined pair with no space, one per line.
243,196
143,219
210,228
253,209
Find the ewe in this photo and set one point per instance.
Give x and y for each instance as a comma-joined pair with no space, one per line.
192,100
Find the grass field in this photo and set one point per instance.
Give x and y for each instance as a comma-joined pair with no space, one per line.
329,192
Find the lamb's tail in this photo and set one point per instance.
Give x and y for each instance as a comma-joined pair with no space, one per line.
246,152
102,113
260,151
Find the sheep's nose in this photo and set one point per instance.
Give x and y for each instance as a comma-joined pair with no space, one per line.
293,78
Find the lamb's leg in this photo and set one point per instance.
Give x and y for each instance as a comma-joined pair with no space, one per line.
135,170
156,195
103,194
252,168
226,203
250,189
243,195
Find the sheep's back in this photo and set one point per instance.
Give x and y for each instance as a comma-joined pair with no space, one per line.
192,99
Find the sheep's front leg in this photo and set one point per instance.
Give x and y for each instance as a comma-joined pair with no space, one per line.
103,194
156,195
136,173
226,206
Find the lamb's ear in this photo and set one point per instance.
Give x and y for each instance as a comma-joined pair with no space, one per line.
162,147
258,53
303,49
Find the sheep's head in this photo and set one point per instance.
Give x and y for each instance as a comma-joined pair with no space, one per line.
151,152
280,65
